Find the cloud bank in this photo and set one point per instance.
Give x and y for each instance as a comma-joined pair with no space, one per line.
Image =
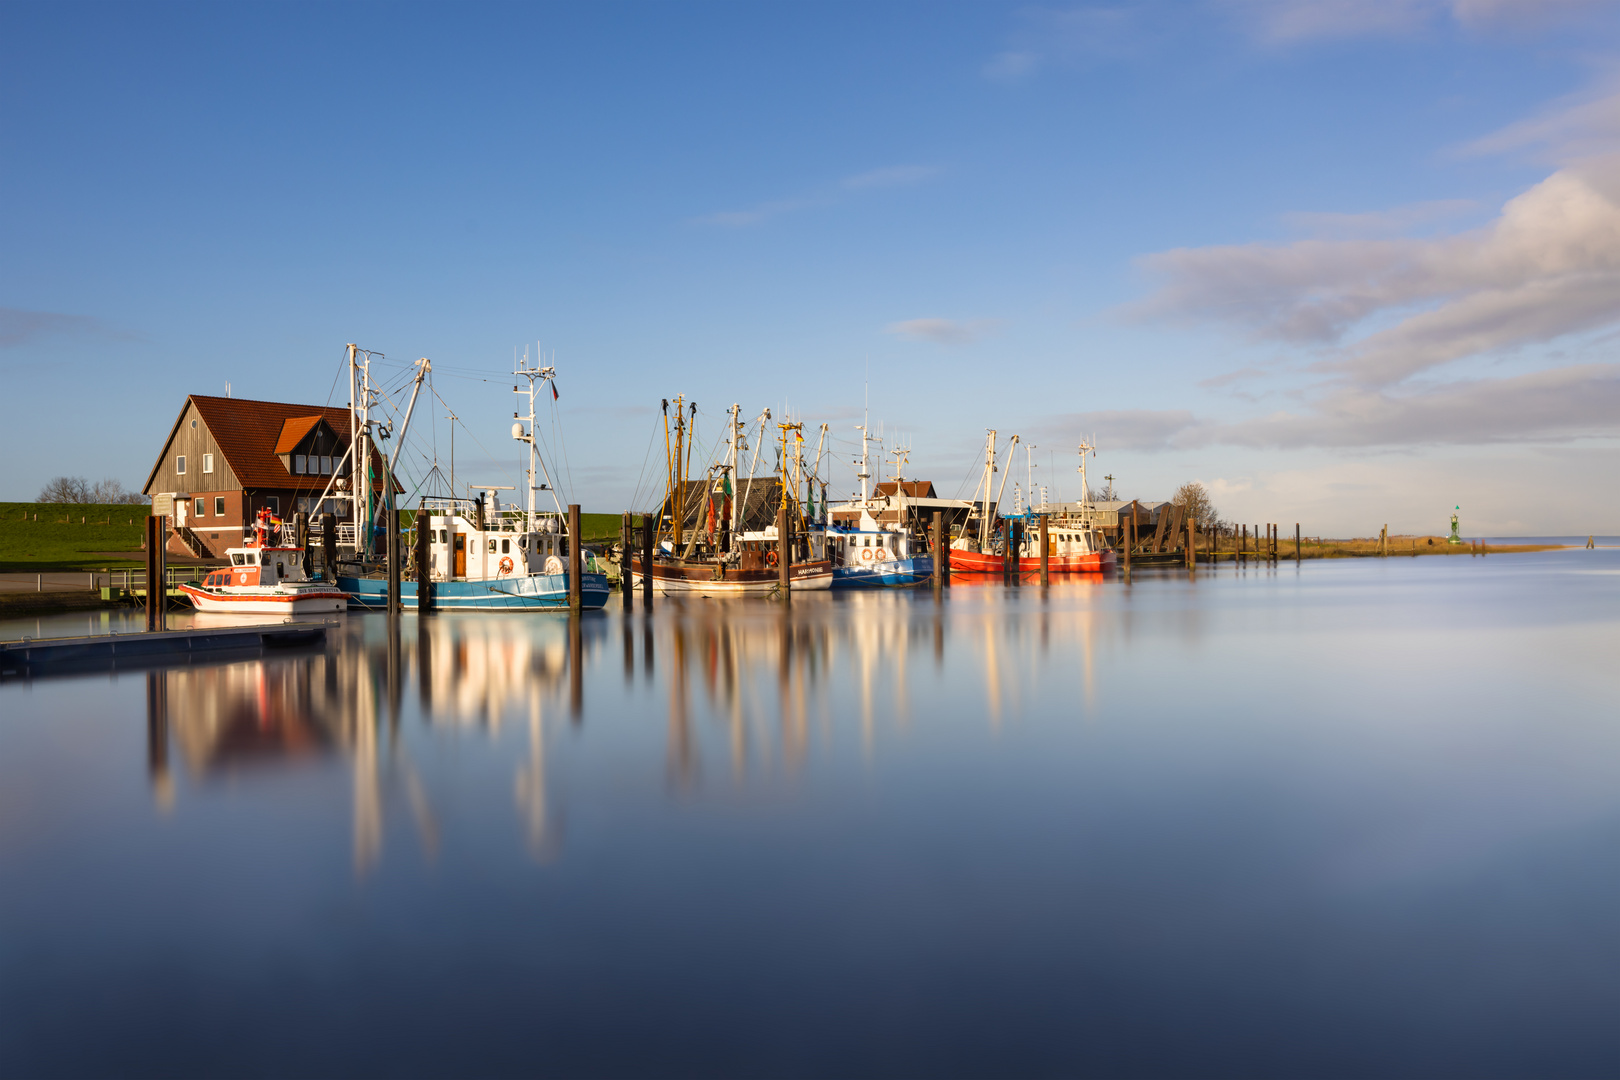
942,331
1397,328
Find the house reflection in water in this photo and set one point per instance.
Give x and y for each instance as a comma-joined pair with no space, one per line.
754,685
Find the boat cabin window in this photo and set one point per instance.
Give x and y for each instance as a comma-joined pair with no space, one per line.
506,546
444,536
491,548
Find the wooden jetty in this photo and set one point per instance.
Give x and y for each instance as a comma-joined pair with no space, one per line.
142,649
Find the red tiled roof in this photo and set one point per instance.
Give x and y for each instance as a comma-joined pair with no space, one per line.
292,431
248,433
914,489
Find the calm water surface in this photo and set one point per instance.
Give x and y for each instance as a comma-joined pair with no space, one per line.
1360,818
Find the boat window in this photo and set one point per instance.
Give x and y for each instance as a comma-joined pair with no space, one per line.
264,559
491,548
506,546
523,543
444,536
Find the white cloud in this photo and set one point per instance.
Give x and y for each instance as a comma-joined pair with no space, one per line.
1547,266
1044,36
893,176
19,326
757,214
942,331
1392,222
1287,22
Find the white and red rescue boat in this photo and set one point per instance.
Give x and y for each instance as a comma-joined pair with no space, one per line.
266,577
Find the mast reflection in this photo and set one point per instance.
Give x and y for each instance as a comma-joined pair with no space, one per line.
754,691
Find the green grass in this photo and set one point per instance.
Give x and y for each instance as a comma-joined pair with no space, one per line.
66,536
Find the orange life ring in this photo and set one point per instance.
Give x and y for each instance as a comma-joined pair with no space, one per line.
866,554
881,556
770,558
506,565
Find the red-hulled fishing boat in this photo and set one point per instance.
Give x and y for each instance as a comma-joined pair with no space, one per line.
1075,543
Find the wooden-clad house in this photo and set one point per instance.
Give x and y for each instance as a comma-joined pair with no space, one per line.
227,458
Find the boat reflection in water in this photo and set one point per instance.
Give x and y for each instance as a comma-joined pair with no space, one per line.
747,690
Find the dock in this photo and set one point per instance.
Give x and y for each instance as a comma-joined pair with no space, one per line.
101,651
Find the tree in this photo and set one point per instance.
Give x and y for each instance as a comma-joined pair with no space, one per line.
1195,497
76,489
64,489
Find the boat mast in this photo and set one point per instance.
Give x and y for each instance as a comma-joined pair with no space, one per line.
405,425
680,469
735,440
354,445
542,375
988,482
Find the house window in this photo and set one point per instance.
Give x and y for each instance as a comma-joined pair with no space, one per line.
326,465
300,463
197,508
180,464
208,463
219,506
273,504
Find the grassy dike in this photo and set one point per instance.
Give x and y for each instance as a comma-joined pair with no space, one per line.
65,536
37,537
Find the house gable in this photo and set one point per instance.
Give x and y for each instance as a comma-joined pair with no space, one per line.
207,467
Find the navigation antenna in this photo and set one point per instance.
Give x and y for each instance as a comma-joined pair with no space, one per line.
544,376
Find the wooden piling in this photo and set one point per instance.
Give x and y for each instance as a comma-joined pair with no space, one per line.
1296,543
424,574
1192,548
576,560
391,546
942,554
1129,539
649,532
784,554
1046,554
625,543
1243,544
155,592
329,548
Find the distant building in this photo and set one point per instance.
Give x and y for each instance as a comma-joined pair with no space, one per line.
228,458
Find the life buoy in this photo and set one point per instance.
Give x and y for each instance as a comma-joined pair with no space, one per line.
770,558
506,565
866,554
881,556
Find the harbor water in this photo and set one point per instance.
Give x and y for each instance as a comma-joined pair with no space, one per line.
1360,817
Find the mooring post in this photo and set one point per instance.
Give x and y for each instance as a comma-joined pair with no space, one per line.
1296,543
424,574
1243,545
154,582
648,530
1046,553
391,522
940,552
784,554
1129,539
625,542
329,547
576,559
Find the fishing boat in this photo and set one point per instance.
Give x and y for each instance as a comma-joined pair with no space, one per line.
268,576
483,557
716,534
866,554
1076,544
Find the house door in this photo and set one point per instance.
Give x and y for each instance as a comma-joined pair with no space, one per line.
461,555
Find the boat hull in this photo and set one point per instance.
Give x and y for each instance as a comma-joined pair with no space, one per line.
978,562
892,574
266,600
700,580
542,592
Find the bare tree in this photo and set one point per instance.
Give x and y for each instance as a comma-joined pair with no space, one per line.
112,491
76,489
1195,497
64,489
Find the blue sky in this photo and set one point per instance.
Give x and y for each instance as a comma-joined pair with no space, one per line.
1345,263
